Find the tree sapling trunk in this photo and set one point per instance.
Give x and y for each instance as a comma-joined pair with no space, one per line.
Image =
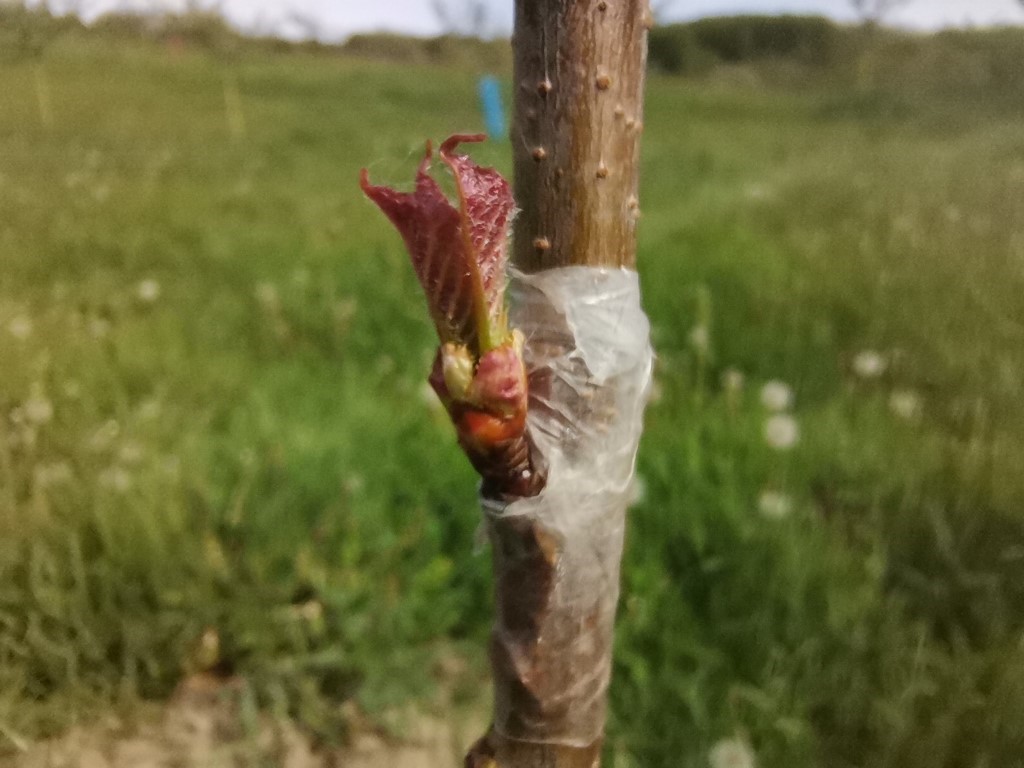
549,407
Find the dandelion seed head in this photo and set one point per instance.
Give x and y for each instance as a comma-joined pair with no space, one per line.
700,338
38,408
905,403
776,396
731,753
148,290
774,505
20,327
311,611
869,364
732,380
781,431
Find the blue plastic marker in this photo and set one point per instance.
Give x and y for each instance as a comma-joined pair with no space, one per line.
490,104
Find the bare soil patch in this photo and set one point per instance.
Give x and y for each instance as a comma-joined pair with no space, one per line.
202,727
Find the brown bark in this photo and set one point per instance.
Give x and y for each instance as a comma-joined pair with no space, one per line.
579,70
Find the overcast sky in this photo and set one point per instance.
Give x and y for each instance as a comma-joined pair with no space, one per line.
339,18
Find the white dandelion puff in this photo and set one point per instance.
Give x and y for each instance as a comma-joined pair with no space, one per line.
777,396
732,380
148,290
869,364
905,404
38,408
774,505
732,753
312,611
700,338
20,327
781,431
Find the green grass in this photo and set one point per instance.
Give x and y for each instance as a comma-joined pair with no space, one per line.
251,450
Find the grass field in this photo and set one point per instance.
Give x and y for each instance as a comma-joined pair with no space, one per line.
217,450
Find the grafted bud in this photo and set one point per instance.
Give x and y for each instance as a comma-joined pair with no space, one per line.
457,366
460,255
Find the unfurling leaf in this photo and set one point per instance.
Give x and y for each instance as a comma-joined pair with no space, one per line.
459,253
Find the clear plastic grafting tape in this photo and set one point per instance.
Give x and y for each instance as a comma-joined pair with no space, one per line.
557,555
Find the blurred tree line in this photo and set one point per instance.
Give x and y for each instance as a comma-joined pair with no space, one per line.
879,67
962,63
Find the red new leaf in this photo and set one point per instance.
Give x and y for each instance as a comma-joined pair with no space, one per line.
459,254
